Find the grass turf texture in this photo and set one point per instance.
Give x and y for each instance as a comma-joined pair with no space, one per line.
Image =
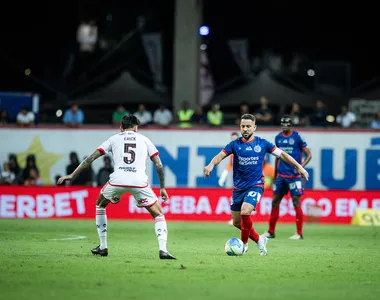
332,262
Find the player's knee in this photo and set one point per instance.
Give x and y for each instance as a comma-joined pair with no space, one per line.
155,210
236,223
276,201
296,202
102,202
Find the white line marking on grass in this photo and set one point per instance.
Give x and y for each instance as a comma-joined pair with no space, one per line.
72,237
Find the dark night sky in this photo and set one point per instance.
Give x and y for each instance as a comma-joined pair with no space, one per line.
41,35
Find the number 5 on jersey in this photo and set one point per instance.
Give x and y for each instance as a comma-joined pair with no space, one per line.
130,154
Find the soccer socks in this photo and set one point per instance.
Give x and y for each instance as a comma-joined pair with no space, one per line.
101,225
247,231
273,218
161,231
299,219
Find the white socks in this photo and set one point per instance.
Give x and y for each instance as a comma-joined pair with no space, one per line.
101,225
161,231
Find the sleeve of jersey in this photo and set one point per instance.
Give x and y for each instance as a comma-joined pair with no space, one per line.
228,149
105,147
303,144
152,150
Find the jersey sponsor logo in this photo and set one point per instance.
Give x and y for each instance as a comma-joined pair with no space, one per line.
245,161
128,169
257,149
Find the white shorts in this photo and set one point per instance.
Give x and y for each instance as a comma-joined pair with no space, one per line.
144,196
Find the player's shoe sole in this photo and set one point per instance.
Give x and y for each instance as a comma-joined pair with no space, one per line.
296,237
165,255
98,251
269,235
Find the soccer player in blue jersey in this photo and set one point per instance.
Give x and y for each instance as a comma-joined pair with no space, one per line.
249,152
287,178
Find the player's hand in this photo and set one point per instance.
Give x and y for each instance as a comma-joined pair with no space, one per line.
303,172
164,194
64,178
207,170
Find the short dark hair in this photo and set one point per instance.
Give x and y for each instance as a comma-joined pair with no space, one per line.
234,133
129,121
248,117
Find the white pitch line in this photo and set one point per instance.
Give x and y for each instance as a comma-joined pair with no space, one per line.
70,238
73,237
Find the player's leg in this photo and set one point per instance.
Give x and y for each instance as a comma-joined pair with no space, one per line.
279,193
108,194
274,215
251,199
236,221
146,198
101,226
296,190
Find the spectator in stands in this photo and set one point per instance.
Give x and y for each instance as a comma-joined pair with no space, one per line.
162,116
14,167
375,124
215,116
184,115
244,109
144,116
280,114
32,178
73,117
7,176
346,119
198,117
118,114
3,117
318,118
25,118
27,173
264,115
84,178
296,115
105,171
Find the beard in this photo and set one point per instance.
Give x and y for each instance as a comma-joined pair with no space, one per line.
247,136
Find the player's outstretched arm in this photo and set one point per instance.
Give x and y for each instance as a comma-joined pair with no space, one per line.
214,162
161,176
290,160
83,165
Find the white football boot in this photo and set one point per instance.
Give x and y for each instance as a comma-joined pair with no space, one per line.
296,236
245,248
262,245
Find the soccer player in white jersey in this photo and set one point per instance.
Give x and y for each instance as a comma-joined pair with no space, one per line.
129,150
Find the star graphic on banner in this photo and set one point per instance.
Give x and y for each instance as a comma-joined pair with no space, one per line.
44,160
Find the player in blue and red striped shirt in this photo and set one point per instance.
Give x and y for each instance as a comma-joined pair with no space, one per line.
249,152
287,178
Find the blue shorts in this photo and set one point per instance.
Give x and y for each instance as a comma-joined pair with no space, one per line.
251,196
284,185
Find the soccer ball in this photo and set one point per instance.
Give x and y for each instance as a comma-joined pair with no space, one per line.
234,247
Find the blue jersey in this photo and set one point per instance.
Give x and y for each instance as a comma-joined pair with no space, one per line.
248,161
293,144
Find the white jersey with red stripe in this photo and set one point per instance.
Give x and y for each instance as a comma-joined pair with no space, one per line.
129,151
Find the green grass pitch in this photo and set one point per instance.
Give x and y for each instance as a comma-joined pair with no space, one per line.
332,262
